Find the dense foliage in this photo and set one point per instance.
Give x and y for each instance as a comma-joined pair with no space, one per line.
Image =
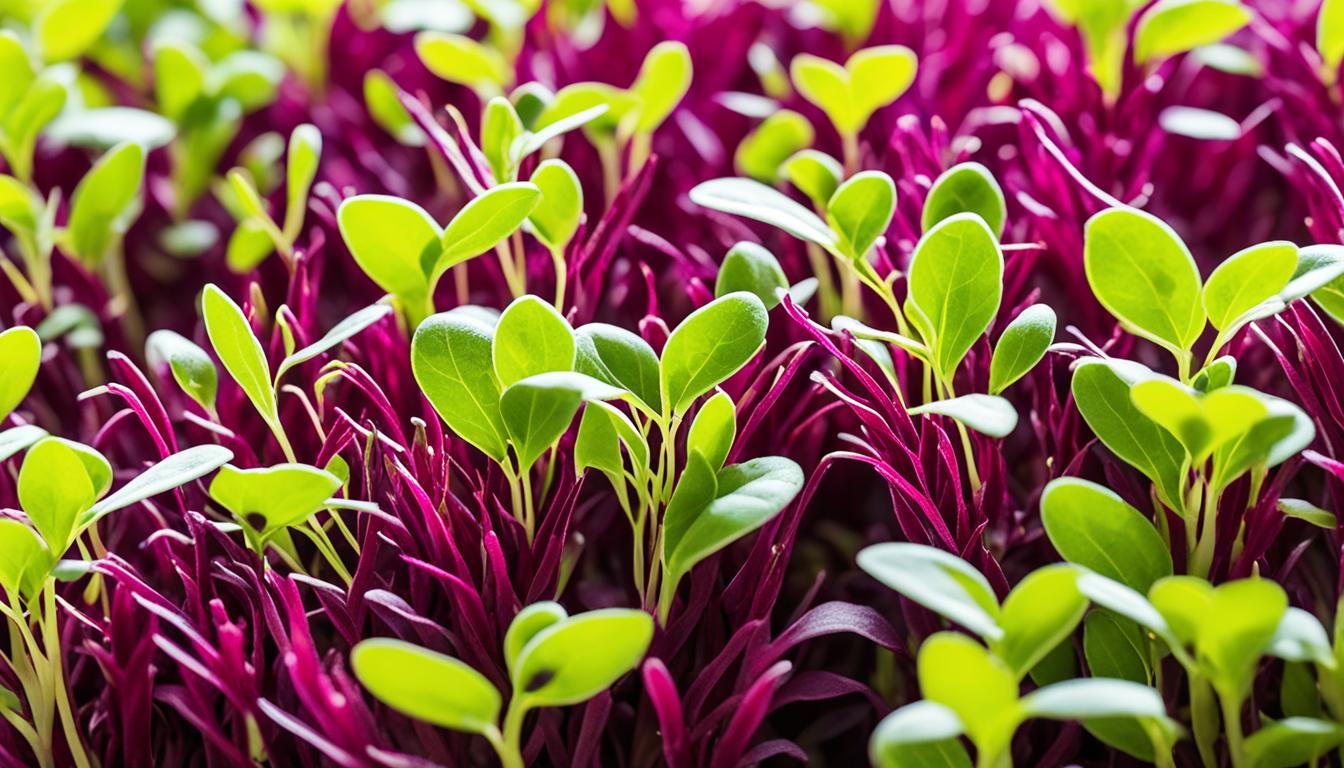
504,382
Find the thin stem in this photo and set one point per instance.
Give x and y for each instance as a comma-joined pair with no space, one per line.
561,276
529,513
1232,730
513,731
850,140
966,446
282,439
509,755
51,639
506,264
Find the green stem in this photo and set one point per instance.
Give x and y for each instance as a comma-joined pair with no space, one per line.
1208,534
1232,730
561,276
850,140
509,755
51,640
1204,719
512,753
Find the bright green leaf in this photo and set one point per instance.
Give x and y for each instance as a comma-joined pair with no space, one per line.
1093,527
860,211
966,188
939,581
574,660
452,363
428,686
956,283
750,267
710,345
1021,346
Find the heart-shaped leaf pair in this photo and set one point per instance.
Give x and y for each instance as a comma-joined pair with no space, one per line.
553,659
402,249
870,79
1035,618
510,381
968,691
1142,272
267,500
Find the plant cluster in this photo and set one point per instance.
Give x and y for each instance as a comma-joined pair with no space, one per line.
623,382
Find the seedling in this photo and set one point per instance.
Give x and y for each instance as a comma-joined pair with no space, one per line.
554,660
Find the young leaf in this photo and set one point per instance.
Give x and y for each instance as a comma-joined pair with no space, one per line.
754,200
713,430
960,674
483,223
746,496
1292,741
65,29
525,626
764,151
988,414
939,581
573,660
105,201
531,338
452,363
24,558
391,239
1202,423
176,470
1142,273
663,80
710,345
1021,346
860,211
1247,278
815,174
1101,390
923,733
1170,27
15,63
1093,527
871,79
338,335
459,59
620,358
1242,619
21,351
305,150
426,685
1300,637
966,188
1116,647
191,366
1183,602
956,282
239,351
1216,375
556,217
267,499
1094,698
55,489
602,431
386,109
537,410
1041,611
751,268
500,128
